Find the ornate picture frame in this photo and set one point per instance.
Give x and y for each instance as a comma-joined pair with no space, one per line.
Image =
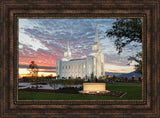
11,10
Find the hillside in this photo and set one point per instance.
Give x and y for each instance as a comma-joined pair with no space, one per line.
128,75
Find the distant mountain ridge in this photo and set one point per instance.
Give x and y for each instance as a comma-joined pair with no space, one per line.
112,73
128,75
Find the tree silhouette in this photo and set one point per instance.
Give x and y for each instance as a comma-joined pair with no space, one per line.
138,59
33,69
92,77
126,31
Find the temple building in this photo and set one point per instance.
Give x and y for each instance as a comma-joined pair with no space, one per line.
92,64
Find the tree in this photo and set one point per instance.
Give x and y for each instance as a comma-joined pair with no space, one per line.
138,60
114,77
126,31
92,77
140,79
52,83
33,69
126,79
132,79
58,77
86,78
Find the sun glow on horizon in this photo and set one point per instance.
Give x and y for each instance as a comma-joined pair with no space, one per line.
23,72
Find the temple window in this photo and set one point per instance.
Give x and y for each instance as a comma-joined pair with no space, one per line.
88,65
102,66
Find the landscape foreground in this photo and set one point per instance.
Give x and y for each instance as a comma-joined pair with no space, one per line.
133,91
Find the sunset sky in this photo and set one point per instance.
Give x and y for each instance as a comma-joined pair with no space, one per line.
45,40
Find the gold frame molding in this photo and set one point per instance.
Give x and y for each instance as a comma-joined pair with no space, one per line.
11,10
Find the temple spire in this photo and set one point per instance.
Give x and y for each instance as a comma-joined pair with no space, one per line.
96,36
68,49
67,53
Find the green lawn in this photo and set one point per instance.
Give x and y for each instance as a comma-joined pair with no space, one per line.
134,92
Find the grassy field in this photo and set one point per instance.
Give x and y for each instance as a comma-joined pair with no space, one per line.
134,92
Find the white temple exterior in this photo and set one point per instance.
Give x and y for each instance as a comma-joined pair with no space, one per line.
92,64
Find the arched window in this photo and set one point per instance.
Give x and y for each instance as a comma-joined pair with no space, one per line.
88,65
80,66
102,66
